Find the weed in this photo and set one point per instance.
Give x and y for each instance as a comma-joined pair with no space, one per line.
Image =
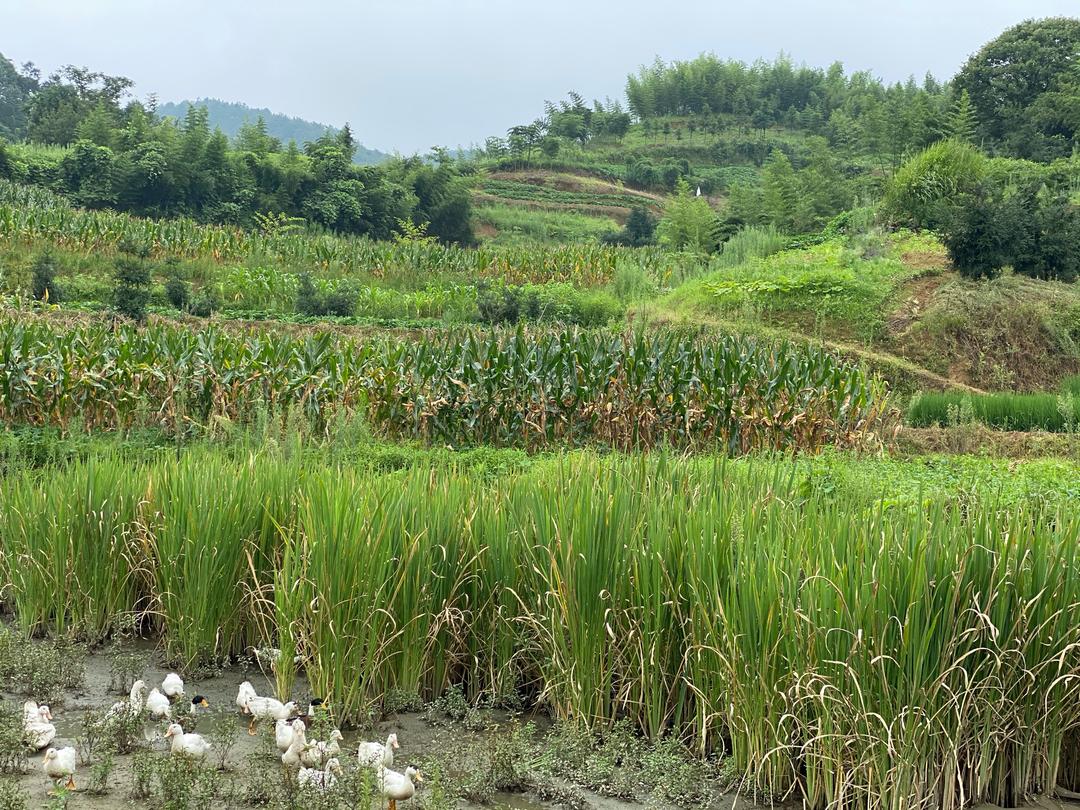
400,700
621,763
143,774
124,669
12,746
46,670
13,797
453,706
222,736
118,733
183,784
100,774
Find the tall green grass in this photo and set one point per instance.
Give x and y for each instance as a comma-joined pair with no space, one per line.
923,654
1023,412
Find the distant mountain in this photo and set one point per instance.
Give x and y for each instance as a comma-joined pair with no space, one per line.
231,115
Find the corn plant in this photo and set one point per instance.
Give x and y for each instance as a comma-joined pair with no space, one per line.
529,389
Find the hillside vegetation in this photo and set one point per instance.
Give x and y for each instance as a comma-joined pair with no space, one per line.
231,117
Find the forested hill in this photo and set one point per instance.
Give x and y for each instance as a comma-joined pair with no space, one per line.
230,116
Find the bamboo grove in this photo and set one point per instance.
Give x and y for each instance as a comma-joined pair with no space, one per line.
921,655
624,391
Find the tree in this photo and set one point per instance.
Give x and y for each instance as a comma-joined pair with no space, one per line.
1006,78
15,90
689,223
979,236
1050,231
640,230
88,174
640,227
781,199
962,123
256,139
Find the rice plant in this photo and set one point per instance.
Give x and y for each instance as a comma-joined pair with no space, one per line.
1059,413
924,653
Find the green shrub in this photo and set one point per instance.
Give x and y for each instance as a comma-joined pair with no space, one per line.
751,242
979,236
89,288
927,186
498,303
339,300
205,304
43,283
546,303
131,288
178,291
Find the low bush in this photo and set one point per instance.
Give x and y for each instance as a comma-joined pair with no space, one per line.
131,289
546,303
324,299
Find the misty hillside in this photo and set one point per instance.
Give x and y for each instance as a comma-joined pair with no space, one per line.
231,115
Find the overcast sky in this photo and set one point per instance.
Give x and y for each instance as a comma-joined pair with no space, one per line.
410,74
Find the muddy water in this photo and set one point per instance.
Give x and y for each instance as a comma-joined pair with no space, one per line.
417,738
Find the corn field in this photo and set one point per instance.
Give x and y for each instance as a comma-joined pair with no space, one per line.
926,655
520,389
29,214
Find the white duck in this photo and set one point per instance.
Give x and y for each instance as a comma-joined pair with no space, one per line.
39,731
319,752
291,757
243,695
133,705
398,787
60,763
321,779
172,687
267,708
29,711
158,705
376,755
192,746
285,733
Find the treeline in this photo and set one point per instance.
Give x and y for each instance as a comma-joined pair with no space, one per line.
119,153
569,121
1019,95
231,117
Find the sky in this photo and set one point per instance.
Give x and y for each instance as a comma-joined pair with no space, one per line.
412,74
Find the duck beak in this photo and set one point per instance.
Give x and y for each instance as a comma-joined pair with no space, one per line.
204,704
419,777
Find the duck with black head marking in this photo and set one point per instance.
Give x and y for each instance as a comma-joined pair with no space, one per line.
190,718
